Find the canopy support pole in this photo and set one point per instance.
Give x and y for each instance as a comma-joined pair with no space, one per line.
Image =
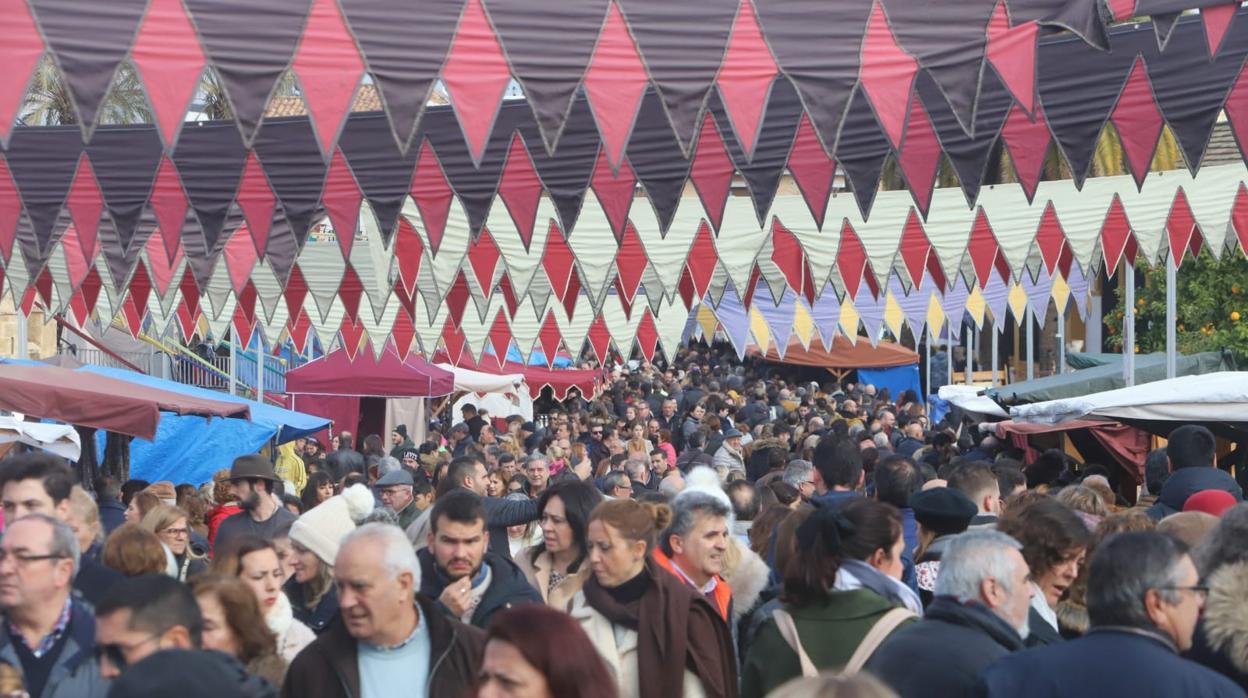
995,357
927,353
23,341
971,333
260,356
1128,324
1172,274
1061,340
1031,343
233,365
948,357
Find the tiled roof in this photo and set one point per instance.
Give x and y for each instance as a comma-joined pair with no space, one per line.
367,99
1222,149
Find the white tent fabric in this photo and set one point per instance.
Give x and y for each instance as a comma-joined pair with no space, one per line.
498,395
471,381
969,399
59,439
1211,397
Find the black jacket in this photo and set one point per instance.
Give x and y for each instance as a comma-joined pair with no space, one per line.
344,460
1186,482
508,586
945,653
317,619
1041,632
330,668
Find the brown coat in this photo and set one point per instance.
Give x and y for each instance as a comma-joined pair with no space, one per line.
538,574
329,668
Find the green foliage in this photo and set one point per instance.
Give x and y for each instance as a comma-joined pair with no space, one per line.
1211,294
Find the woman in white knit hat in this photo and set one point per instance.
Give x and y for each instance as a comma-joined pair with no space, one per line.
314,539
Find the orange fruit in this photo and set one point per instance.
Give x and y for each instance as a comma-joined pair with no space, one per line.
1234,316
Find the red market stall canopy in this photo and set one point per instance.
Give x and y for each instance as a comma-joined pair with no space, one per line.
843,354
362,375
561,217
100,402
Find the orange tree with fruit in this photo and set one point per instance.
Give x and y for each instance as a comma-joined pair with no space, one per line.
1211,307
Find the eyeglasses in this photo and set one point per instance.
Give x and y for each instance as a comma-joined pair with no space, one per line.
176,532
1201,589
23,559
115,653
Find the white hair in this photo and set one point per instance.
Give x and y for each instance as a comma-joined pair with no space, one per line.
398,556
973,557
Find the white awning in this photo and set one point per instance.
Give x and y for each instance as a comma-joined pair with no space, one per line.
1211,397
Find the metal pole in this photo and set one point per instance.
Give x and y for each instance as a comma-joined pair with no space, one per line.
1061,340
970,350
233,364
1031,343
995,357
1128,325
927,352
260,355
948,357
23,342
1172,274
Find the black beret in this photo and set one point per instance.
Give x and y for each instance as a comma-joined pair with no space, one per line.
943,510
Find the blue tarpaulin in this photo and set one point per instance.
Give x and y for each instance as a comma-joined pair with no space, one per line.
190,449
897,379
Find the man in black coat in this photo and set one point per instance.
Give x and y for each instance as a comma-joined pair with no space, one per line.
1144,598
346,459
1191,452
468,582
982,598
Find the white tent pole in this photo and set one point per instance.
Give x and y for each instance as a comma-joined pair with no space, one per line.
233,364
995,357
23,342
1061,340
948,356
927,352
260,354
1031,343
971,332
1172,274
1128,324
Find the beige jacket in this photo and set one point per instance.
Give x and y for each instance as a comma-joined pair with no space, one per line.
618,647
538,575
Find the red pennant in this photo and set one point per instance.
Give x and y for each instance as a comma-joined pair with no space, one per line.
255,198
1027,137
243,328
887,75
10,202
914,248
600,339
688,294
23,47
1138,121
1012,52
169,203
483,257
982,247
432,194
453,342
712,171
521,190
406,300
1239,217
349,291
140,288
745,77
647,333
852,262
476,75
342,201
168,57
702,260
352,333
90,289
132,316
747,298
630,263
812,169
1217,20
409,250
920,155
329,67
1121,9
240,257
457,299
788,256
1116,236
626,301
75,264
550,338
159,264
85,206
509,295
296,291
615,192
1050,238
1181,230
299,331
500,338
403,334
573,293
614,84
558,261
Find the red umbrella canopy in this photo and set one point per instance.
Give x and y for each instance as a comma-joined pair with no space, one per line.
100,402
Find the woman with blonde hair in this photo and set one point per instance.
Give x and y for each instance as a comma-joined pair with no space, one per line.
92,579
232,625
170,524
133,551
658,636
314,540
256,562
140,504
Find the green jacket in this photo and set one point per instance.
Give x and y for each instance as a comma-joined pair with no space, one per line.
829,633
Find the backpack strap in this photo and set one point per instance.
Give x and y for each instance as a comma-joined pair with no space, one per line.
788,631
876,635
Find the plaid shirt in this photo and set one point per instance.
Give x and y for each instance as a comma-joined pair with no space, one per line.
51,638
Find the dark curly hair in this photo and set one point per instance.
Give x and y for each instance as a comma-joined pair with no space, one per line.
1048,530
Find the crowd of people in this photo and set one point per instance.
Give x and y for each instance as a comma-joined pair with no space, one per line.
704,529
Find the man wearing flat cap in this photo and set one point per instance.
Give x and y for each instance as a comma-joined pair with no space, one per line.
395,491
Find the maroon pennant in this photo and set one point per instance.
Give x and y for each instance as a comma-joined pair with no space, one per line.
789,257
256,199
483,256
19,52
702,260
409,251
140,288
1239,217
329,68
630,264
453,342
1027,138
168,57
299,331
1138,121
1116,236
85,205
403,334
615,192
188,310
341,199
352,333
169,204
1217,20
647,333
572,294
812,169
161,262
1181,229
626,302
559,262
245,314
476,76
853,264
500,338
10,210
887,75
432,193
599,339
407,301
614,84
712,171
745,75
919,157
521,190
457,299
509,295
240,257
550,338
349,291
915,249
1050,238
296,291
1012,52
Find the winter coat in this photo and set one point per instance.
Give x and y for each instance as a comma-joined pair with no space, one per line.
317,619
945,653
828,632
1108,662
508,587
756,466
618,647
292,636
537,573
499,514
727,460
330,667
1186,482
75,674
1221,638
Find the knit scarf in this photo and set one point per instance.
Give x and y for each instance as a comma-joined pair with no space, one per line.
672,621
